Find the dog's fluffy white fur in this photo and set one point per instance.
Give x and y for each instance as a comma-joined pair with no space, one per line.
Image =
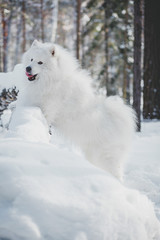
102,127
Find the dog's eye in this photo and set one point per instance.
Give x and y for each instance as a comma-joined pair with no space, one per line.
40,62
31,59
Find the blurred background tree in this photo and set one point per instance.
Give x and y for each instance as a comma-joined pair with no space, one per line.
137,60
105,35
151,97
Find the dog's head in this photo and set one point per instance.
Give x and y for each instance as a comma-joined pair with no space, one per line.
48,63
39,58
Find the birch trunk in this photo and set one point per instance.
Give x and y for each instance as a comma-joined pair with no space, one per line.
55,21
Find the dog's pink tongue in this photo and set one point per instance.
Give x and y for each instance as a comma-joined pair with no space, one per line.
29,75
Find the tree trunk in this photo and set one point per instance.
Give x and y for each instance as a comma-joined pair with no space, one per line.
106,27
6,27
23,26
9,22
137,60
126,84
42,22
54,21
18,34
78,28
5,35
110,83
1,67
151,91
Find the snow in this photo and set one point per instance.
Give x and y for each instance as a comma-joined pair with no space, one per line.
11,79
29,126
49,191
143,167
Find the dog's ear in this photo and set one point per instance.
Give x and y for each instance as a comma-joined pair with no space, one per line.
52,50
35,43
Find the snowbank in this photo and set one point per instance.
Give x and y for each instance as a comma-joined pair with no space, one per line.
143,167
49,191
29,125
11,79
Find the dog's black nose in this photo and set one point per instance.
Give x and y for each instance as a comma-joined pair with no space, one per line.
28,69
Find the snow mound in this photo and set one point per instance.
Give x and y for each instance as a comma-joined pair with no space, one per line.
49,191
143,166
29,125
11,79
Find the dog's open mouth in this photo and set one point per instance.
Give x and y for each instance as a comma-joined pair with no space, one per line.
31,77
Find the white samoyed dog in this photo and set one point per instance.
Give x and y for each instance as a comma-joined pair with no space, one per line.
102,127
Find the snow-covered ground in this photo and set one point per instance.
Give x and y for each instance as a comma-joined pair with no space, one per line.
143,167
48,191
